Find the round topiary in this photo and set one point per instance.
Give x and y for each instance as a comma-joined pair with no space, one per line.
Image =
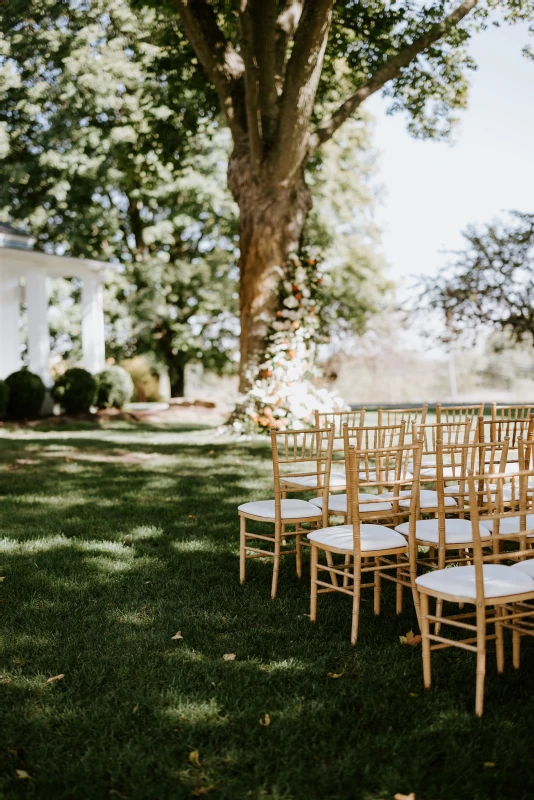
75,390
26,394
4,395
115,387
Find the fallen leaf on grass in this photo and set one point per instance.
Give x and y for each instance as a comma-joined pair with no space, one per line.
229,657
400,796
489,763
56,678
266,720
211,452
13,752
177,635
135,709
202,790
23,775
216,684
68,460
194,758
191,516
413,694
2,579
410,639
118,794
335,674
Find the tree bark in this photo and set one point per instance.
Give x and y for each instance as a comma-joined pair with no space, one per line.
177,377
270,226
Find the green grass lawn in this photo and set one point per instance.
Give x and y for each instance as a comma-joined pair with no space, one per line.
113,540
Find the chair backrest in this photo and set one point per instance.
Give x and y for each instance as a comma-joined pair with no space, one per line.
450,414
338,419
511,412
310,452
372,438
394,416
513,427
489,501
387,462
449,433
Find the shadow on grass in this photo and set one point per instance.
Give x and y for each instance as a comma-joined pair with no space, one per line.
105,561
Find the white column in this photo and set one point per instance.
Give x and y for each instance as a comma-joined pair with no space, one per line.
93,346
10,360
38,333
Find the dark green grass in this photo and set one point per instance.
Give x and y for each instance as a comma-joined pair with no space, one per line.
107,555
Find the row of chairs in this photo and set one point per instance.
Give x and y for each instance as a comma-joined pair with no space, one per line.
419,503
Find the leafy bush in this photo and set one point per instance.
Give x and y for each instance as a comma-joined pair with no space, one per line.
75,390
26,394
4,395
115,387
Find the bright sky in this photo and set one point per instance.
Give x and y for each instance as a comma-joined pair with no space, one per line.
432,189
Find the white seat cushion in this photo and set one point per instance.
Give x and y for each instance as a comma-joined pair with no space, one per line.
511,524
337,503
525,566
337,479
427,498
291,509
457,531
372,537
459,582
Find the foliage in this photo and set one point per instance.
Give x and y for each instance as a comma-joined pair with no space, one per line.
4,397
281,393
75,390
144,378
491,283
120,170
114,387
26,394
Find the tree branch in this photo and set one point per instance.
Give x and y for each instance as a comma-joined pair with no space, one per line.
390,70
252,78
300,86
222,64
264,33
286,25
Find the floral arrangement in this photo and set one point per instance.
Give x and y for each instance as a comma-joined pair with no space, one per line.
281,393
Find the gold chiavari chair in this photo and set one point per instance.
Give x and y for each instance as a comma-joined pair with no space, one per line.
511,413
394,416
310,452
451,414
367,549
354,418
502,595
513,429
365,438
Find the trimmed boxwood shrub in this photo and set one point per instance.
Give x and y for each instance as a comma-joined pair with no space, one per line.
26,394
4,395
75,390
115,387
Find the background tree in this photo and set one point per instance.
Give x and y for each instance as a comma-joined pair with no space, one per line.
491,283
106,154
104,157
288,74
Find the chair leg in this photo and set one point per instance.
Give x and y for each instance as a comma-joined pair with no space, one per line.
399,588
376,589
481,661
425,630
276,566
313,593
356,588
499,642
346,575
516,649
242,549
298,547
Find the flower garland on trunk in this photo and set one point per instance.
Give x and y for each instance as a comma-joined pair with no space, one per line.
281,393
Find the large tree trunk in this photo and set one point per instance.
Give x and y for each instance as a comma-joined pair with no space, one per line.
177,377
270,225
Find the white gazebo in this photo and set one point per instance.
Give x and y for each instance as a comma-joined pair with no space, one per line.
18,260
